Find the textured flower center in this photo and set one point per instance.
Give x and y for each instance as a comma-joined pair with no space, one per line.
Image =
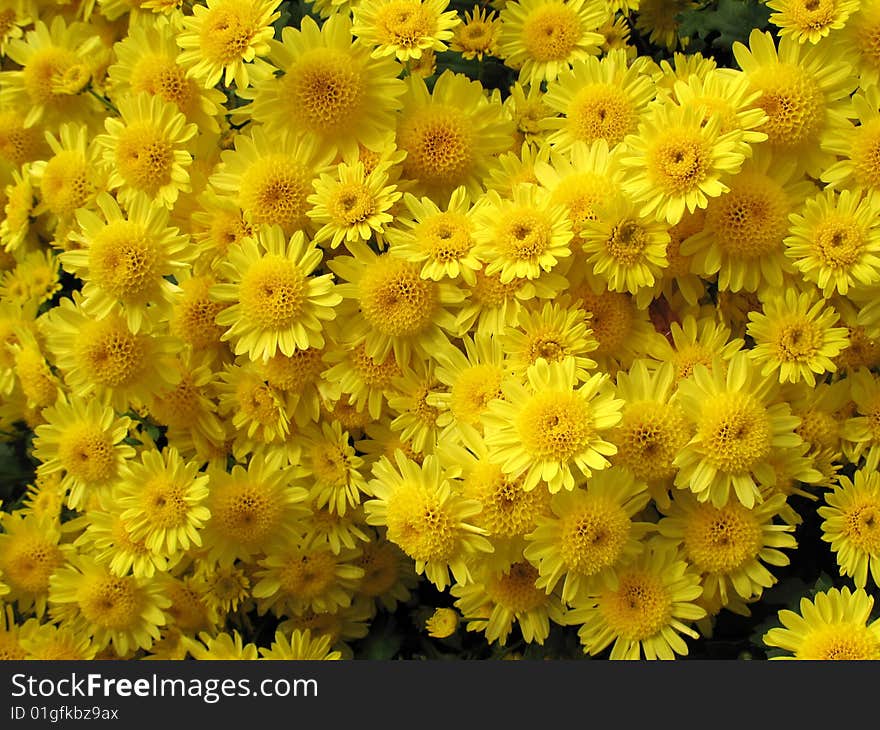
227,31
87,454
160,76
258,402
867,38
164,503
866,153
678,160
490,292
111,354
797,340
515,590
379,563
245,512
735,432
555,426
838,242
439,144
793,101
28,562
593,537
395,299
272,292
330,463
420,525
627,241
524,234
819,428
473,390
403,23
548,343
125,261
111,602
351,203
601,111
508,509
581,195
649,437
751,219
862,525
845,641
323,89
445,237
144,156
43,71
293,373
308,576
812,14
686,357
275,190
551,32
195,314
721,540
66,184
374,374
639,608
611,318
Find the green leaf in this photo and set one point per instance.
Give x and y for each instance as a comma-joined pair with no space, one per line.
724,23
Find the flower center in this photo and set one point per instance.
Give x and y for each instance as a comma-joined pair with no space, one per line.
226,32
111,354
87,454
679,160
125,261
862,525
515,590
601,111
439,144
722,540
524,234
66,184
42,72
639,608
403,23
627,242
112,602
272,292
649,437
323,90
160,76
866,153
798,341
308,576
793,102
445,237
144,157
551,32
845,641
419,525
29,561
473,390
592,538
395,299
275,190
555,426
735,432
352,203
508,509
751,219
245,512
838,242
164,503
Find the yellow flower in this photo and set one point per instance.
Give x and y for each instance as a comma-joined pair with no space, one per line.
300,645
404,28
809,20
443,623
857,145
477,35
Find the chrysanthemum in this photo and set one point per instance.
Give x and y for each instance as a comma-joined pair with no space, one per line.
810,20
145,149
522,237
19,200
331,88
125,259
450,135
744,229
300,646
104,357
860,41
858,147
48,642
796,335
834,625
414,417
597,100
543,38
388,576
802,94
426,517
645,611
550,426
222,646
442,241
299,377
477,35
84,440
405,28
29,553
835,241
365,381
220,40
679,160
161,500
278,306
351,204
658,19
861,432
391,308
738,426
333,468
10,647
222,587
852,525
590,531
250,507
123,611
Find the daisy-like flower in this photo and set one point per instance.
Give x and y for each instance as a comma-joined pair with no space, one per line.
477,35
123,611
835,241
796,335
18,209
738,427
161,498
414,418
857,145
222,647
658,19
221,40
861,432
405,28
851,513
331,87
803,93
835,625
729,545
352,204
450,134
84,439
597,100
645,611
542,38
442,241
278,306
336,470
549,427
860,40
522,237
501,598
300,646
426,517
810,20
589,532
48,642
124,258
679,160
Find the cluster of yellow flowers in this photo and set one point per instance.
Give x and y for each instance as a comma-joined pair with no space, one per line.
298,320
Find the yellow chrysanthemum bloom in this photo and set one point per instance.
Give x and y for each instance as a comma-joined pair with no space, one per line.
796,335
543,38
477,35
597,100
220,647
589,533
501,598
861,432
426,517
450,135
404,28
835,241
48,642
833,626
738,426
860,41
522,237
222,587
550,426
365,380
645,611
123,611
851,525
810,20
278,306
729,545
300,646
803,93
334,468
221,40
659,20
331,88
858,146
18,209
443,623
